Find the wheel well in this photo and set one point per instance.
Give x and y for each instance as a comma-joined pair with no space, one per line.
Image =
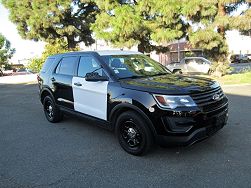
176,70
121,110
44,94
117,113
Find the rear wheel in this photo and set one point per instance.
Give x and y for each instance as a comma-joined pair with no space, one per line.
133,133
52,113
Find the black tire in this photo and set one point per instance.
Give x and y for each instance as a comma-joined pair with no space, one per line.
133,133
51,111
177,71
210,72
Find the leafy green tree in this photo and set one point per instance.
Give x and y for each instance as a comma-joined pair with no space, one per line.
51,20
59,46
6,52
149,24
208,23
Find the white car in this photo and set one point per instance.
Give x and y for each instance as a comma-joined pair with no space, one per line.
191,65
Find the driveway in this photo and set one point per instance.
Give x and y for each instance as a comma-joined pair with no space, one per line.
77,153
18,79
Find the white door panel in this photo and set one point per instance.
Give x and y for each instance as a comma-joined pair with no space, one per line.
90,98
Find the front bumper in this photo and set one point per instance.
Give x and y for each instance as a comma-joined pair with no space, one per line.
203,128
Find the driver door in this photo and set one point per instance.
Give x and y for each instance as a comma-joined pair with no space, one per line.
90,97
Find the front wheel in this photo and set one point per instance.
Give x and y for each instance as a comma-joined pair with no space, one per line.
51,111
133,133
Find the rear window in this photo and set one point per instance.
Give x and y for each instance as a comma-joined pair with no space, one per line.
47,64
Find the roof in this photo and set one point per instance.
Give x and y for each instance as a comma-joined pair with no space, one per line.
101,53
116,52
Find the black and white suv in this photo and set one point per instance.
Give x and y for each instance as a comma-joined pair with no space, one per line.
133,95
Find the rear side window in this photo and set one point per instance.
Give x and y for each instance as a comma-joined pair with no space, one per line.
47,64
67,66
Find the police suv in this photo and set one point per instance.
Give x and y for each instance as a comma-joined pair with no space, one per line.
134,96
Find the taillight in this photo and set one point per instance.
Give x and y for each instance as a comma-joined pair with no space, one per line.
39,78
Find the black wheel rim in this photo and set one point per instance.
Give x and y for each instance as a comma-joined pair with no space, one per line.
49,109
130,134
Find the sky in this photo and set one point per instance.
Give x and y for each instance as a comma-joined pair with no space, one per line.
26,49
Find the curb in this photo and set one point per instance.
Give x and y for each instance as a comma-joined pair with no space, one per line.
236,85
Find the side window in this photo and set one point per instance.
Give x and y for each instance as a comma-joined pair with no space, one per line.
88,64
199,61
67,65
47,64
187,61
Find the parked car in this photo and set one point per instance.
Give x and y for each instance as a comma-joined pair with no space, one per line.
133,95
249,57
239,58
22,71
191,65
7,72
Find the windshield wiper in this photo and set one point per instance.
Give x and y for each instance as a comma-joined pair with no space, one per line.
132,77
159,74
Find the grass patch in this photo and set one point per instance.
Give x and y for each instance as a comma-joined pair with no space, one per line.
231,79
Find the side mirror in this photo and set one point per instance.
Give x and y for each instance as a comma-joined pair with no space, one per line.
95,77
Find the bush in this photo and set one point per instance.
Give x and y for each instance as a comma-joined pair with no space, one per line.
59,46
36,64
220,68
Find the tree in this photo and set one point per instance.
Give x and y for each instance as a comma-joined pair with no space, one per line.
208,23
51,20
59,46
149,24
6,52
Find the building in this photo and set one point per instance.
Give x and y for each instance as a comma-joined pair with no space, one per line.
178,51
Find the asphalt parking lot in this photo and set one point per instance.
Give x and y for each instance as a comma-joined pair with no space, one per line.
77,153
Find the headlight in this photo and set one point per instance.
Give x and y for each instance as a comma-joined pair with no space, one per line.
172,102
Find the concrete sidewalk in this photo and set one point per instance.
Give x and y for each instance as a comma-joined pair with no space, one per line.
18,79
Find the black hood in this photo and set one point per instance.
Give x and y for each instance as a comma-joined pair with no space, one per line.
170,84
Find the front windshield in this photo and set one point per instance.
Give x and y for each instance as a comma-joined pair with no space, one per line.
133,66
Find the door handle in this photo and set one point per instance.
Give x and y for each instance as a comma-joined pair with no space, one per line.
53,79
77,84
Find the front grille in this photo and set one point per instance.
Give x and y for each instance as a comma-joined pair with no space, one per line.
206,102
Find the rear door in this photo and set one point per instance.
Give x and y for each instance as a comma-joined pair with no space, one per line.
90,97
62,81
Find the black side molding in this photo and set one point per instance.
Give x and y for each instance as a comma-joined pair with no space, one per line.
100,122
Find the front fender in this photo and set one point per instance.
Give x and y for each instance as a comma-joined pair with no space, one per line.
122,107
121,99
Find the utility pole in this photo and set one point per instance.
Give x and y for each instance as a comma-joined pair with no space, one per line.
249,29
96,45
178,50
